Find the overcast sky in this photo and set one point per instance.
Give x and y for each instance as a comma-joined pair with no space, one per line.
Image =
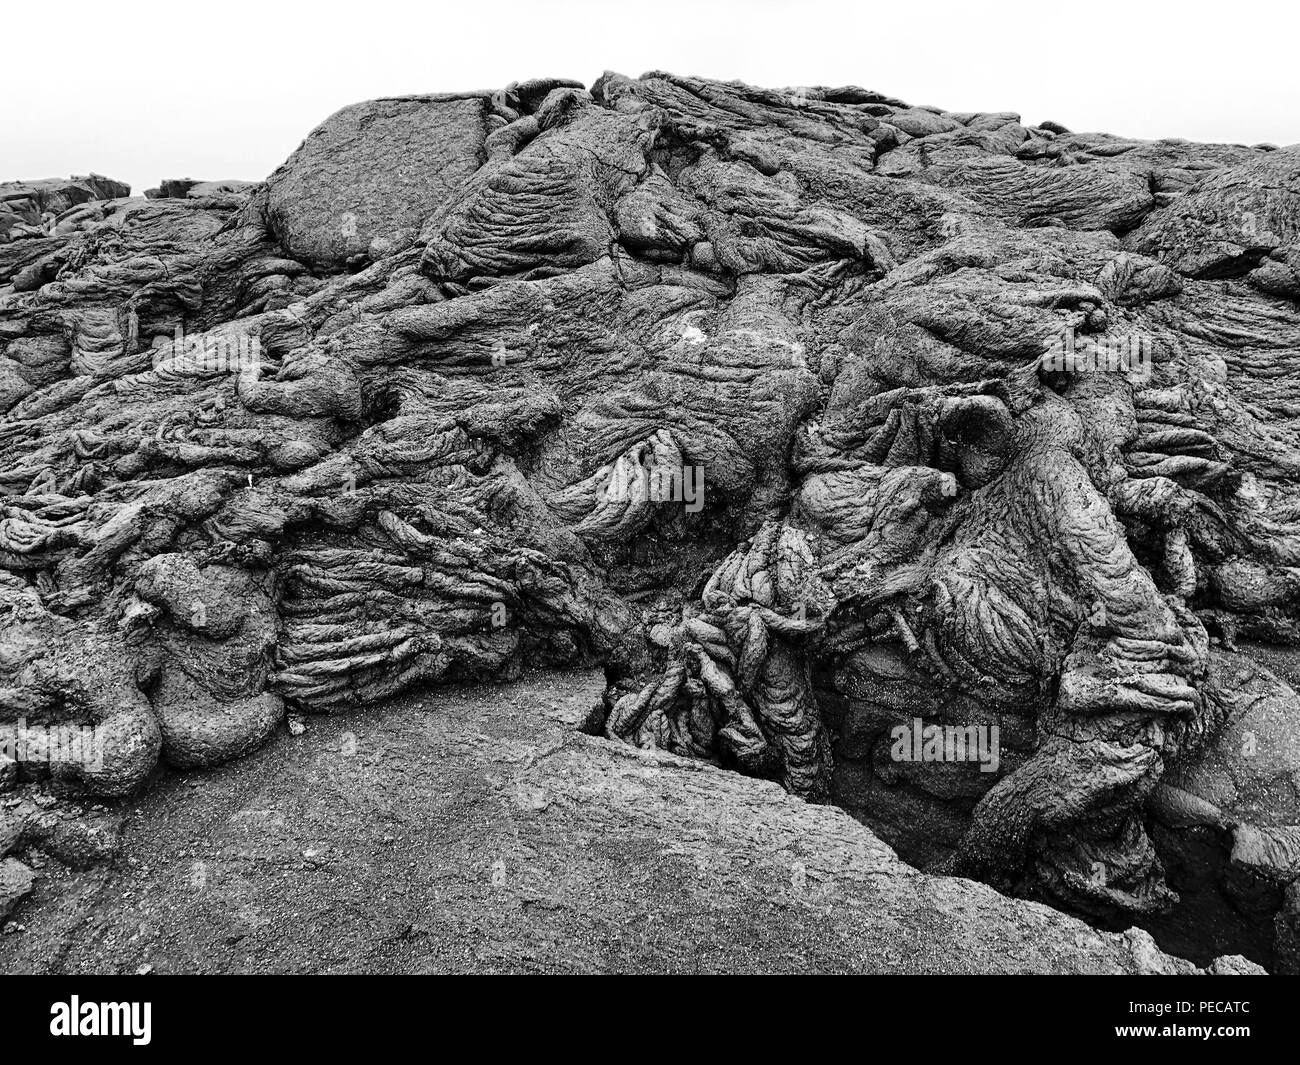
228,89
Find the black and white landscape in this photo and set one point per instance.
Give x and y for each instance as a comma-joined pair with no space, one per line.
657,524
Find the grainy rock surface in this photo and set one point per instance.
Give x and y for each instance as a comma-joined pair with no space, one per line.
805,413
479,831
16,882
373,173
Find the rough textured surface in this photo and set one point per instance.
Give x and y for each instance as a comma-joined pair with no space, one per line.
492,836
804,413
374,172
16,881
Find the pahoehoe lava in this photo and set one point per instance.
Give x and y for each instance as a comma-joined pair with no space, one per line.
808,415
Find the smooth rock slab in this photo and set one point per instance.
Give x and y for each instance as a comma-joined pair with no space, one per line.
477,830
373,172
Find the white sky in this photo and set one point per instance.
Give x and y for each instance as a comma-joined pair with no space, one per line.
177,88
